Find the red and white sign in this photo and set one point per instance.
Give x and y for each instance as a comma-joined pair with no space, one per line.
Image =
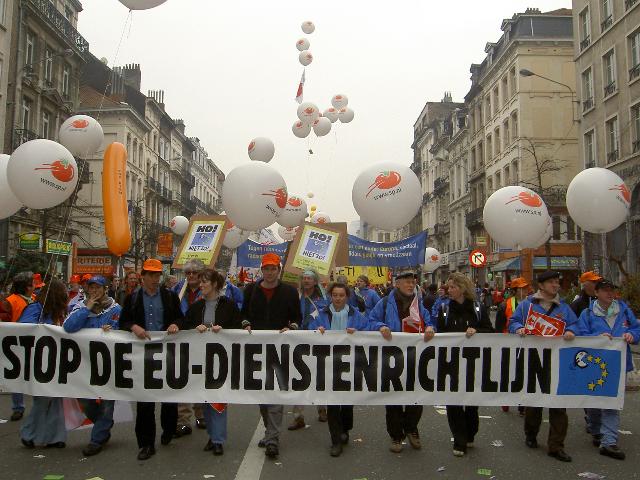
543,325
477,259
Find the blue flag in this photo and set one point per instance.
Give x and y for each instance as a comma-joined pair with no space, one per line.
589,371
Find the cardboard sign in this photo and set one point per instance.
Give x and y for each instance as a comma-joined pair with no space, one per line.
202,241
543,325
376,275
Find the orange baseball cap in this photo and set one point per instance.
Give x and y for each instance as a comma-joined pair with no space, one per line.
152,265
75,279
519,282
37,281
86,277
270,259
590,276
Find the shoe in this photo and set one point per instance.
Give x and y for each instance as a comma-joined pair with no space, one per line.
146,453
596,440
200,423
56,445
107,439
218,449
336,450
612,451
322,415
209,446
531,442
505,409
414,440
166,439
271,451
560,455
396,446
458,453
262,443
27,443
344,438
183,430
17,415
91,449
297,424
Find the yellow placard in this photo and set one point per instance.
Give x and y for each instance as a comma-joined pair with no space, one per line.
376,275
202,241
316,249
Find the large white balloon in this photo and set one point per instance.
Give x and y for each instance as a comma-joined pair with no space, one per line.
515,217
254,195
546,236
301,129
321,126
42,173
141,4
294,213
234,237
81,135
302,44
345,115
179,225
9,203
331,113
387,195
339,101
287,233
320,217
261,149
308,27
305,58
598,200
308,112
432,259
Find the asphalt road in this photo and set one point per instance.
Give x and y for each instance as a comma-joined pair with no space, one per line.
304,454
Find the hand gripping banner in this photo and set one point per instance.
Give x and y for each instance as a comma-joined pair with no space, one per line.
308,367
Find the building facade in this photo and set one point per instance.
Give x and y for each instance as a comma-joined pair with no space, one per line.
607,58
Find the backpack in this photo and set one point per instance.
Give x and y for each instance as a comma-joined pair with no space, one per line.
444,308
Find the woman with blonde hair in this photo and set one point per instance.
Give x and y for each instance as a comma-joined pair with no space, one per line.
462,314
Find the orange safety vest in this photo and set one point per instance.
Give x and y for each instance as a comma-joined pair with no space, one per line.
509,309
18,304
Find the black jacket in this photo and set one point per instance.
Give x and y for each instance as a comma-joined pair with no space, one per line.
282,311
227,314
581,303
133,310
462,316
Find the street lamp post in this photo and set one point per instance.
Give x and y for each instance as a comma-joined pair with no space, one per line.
528,73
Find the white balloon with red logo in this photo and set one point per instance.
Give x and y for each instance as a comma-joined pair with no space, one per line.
545,236
339,101
387,195
141,4
515,217
294,213
432,259
42,173
598,200
234,236
82,135
303,44
345,115
261,149
308,27
254,195
320,218
305,58
321,126
331,113
301,129
308,112
9,203
287,233
179,225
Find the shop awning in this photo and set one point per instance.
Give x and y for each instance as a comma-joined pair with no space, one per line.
510,264
539,263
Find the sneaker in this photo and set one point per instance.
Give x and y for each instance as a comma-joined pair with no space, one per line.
297,423
27,443
336,450
17,415
209,446
145,453
165,439
91,449
322,415
414,440
271,451
612,451
396,446
183,430
218,449
201,423
261,443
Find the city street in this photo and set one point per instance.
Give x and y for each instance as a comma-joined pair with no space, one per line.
305,454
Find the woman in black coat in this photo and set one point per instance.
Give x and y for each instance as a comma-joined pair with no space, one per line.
212,313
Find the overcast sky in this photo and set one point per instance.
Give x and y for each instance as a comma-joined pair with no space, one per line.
231,71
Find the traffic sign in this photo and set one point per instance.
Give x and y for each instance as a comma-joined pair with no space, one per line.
477,259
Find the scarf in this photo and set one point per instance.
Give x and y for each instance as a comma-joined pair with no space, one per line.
610,315
339,320
102,304
546,304
404,303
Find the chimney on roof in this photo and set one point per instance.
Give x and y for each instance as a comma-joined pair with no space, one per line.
179,125
447,98
158,96
532,11
132,75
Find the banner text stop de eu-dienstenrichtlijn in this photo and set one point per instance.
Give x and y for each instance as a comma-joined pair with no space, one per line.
308,367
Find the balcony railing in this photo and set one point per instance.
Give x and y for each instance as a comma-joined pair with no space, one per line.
585,43
629,3
636,146
607,23
612,156
440,185
58,22
416,166
587,104
634,71
426,198
610,89
473,219
22,135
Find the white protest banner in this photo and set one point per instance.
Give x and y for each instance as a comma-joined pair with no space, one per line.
307,367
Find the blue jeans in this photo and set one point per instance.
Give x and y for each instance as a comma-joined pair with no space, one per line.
606,423
17,402
101,414
216,424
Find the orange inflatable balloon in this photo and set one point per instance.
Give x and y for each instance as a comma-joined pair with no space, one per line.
114,199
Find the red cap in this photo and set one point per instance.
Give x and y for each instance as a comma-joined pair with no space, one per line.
86,277
37,281
75,279
590,277
152,265
270,259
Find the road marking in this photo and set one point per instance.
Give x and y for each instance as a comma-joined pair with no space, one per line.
253,460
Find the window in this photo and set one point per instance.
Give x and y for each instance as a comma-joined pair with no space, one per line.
26,113
611,131
634,49
496,137
2,4
387,237
479,117
48,66
380,237
606,14
44,128
514,125
66,81
487,109
556,227
489,154
507,176
609,72
584,21
498,181
505,129
473,159
480,154
589,150
505,90
629,3
571,229
161,153
635,120
587,90
29,53
496,100
512,81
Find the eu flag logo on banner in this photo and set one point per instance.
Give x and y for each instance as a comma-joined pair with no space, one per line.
589,371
